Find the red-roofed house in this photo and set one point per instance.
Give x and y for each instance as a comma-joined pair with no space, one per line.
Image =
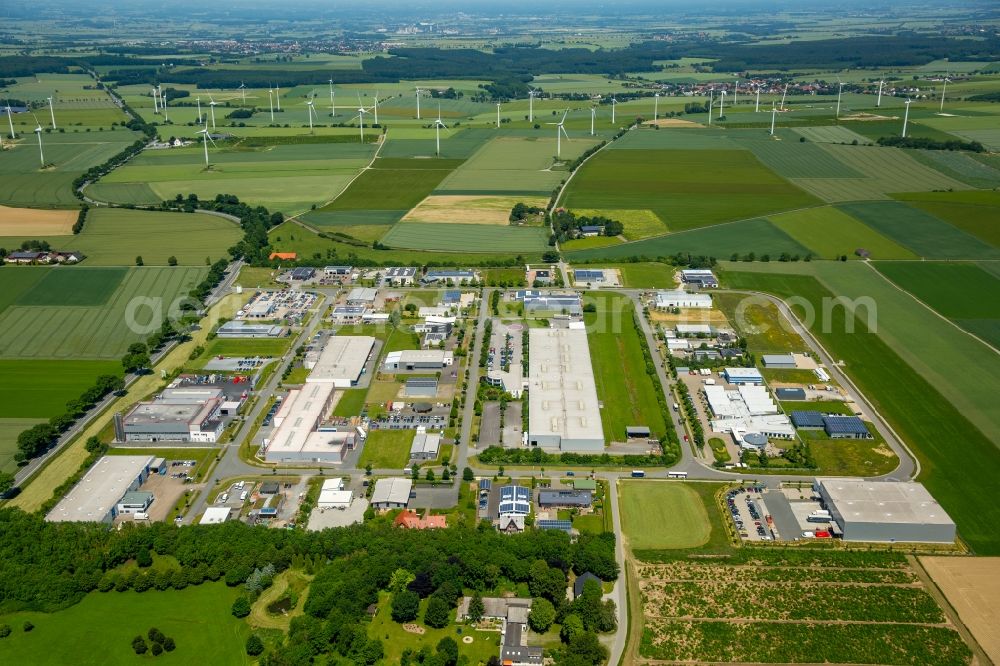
284,256
410,520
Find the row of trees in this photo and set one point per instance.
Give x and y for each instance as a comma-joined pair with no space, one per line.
496,455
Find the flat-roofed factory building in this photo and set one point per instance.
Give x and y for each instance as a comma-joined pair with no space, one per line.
342,360
98,495
564,412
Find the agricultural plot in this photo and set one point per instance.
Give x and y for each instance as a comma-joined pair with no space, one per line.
965,293
688,138
468,209
458,144
988,137
392,187
960,166
913,405
116,236
830,134
919,231
684,188
979,217
638,223
766,330
41,389
831,233
794,159
513,165
616,352
972,587
9,430
663,515
67,156
758,236
73,314
768,611
466,238
35,223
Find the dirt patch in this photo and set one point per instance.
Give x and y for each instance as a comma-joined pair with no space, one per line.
36,223
972,587
690,316
673,122
868,117
414,629
467,209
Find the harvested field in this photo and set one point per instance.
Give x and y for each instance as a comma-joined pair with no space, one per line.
467,209
672,122
35,222
972,586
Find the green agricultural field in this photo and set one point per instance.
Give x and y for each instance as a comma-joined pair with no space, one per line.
41,388
198,618
794,159
638,223
23,183
926,420
387,449
960,166
977,216
965,293
16,283
102,329
419,142
9,430
920,231
116,236
684,188
466,238
830,233
695,137
663,515
830,134
391,186
588,243
721,241
628,393
139,194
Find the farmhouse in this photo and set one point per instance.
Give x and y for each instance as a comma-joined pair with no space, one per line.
392,493
564,412
342,360
417,359
242,329
678,298
283,256
425,445
399,276
885,511
97,496
779,361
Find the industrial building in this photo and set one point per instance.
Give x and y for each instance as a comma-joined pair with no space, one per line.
399,276
417,359
693,329
534,301
348,314
845,427
393,493
570,499
362,296
342,360
181,415
564,412
748,414
594,275
445,276
678,298
214,515
421,387
779,361
299,435
885,511
96,497
135,501
790,393
743,376
337,271
241,329
333,496
699,277
810,420
302,274
426,445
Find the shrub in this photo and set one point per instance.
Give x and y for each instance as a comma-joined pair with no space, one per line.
241,607
254,646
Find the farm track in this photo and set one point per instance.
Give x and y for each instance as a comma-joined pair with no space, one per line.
754,620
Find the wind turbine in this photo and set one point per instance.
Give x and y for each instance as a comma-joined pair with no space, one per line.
498,115
156,106
311,110
878,102
593,115
243,89
270,103
211,108
163,105
783,95
333,103
419,91
774,114
10,121
198,101
943,91
614,103
906,115
38,132
361,118
437,131
531,104
206,137
560,131
840,91
52,113
736,92
756,108
722,103
656,107
711,103
277,97
375,108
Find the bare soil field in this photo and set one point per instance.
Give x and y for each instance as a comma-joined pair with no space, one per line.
972,587
467,209
36,222
673,122
690,316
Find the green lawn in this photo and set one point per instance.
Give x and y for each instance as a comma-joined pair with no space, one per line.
197,618
663,514
850,457
719,450
646,275
627,392
351,402
247,347
591,523
387,449
940,435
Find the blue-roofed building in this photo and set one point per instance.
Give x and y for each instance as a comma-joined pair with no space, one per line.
807,419
845,427
588,230
451,297
485,485
515,501
790,394
588,275
561,525
565,498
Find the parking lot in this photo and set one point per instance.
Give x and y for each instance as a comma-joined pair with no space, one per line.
749,514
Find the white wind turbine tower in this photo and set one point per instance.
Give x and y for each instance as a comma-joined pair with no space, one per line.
593,115
943,91
711,103
333,102
722,103
156,105
38,132
270,103
531,104
774,114
198,102
311,110
211,109
419,92
840,92
756,108
243,90
498,115
878,102
277,97
560,131
10,121
361,118
437,131
906,115
163,105
206,137
656,107
614,103
52,113
375,108
736,92
783,95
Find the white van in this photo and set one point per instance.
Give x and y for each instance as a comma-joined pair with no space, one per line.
140,515
224,497
244,495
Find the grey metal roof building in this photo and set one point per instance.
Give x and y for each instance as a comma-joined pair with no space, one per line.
781,361
96,497
425,445
421,387
588,275
437,275
242,329
885,511
568,498
807,419
790,394
845,427
391,493
581,582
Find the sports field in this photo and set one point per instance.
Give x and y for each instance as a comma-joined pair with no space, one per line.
387,449
198,618
831,233
86,313
116,236
941,435
920,231
628,393
466,238
662,515
684,188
